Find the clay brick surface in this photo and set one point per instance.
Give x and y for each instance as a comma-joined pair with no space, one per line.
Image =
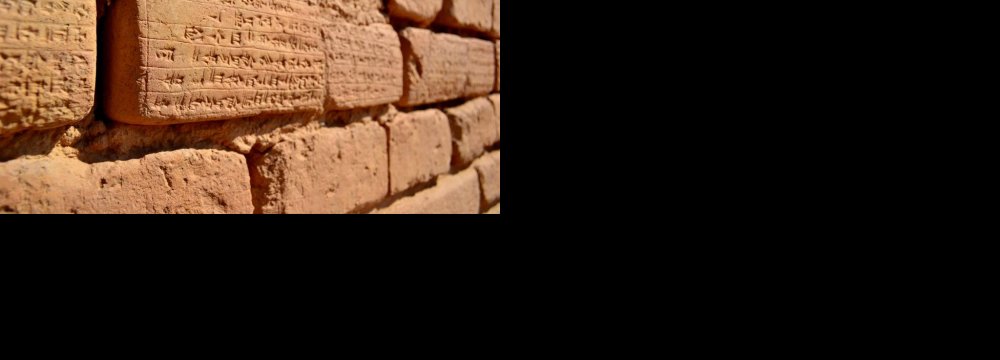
488,168
182,181
329,170
481,67
468,14
176,61
474,127
422,12
453,194
440,67
419,148
358,12
364,65
48,62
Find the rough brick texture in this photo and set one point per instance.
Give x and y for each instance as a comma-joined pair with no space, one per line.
474,127
442,67
330,170
488,168
422,12
363,66
358,12
419,148
249,106
183,181
468,14
453,194
175,61
48,63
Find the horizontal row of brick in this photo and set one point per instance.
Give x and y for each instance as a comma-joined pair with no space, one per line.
180,61
351,168
327,170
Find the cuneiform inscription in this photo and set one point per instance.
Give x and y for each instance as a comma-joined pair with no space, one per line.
176,80
440,67
213,101
214,59
167,54
51,11
364,65
43,36
47,62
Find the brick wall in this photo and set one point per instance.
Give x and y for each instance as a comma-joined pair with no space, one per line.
250,106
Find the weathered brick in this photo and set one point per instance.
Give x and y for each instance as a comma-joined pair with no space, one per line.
481,67
48,63
176,61
440,67
182,181
363,65
329,170
419,148
467,14
474,127
358,12
488,168
422,12
453,194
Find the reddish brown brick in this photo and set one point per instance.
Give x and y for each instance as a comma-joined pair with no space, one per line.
453,194
363,66
421,12
182,181
329,170
474,127
441,67
474,15
48,63
488,169
419,148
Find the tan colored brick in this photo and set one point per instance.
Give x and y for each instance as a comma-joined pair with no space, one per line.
441,67
488,168
453,194
474,127
422,12
177,61
467,14
329,170
182,181
363,66
419,148
48,63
